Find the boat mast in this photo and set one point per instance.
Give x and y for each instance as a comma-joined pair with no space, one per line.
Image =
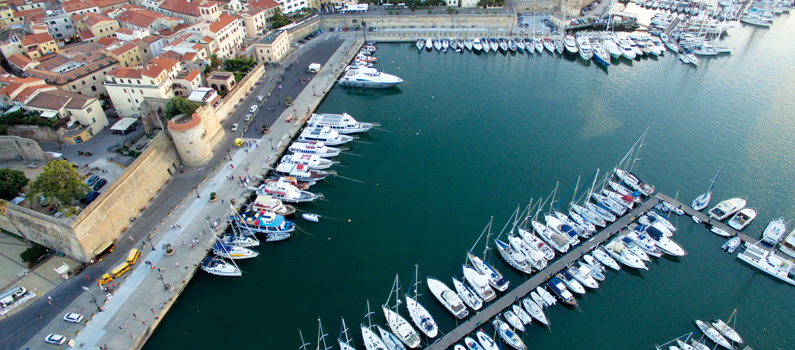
368,314
488,234
344,331
554,192
515,214
640,145
303,343
321,337
715,179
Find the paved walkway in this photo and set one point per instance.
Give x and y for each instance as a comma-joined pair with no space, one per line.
138,303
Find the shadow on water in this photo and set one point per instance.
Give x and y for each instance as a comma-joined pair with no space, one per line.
602,68
374,93
633,272
583,62
570,58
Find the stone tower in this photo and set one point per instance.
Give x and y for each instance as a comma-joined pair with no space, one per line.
190,136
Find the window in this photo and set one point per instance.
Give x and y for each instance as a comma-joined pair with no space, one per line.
128,100
136,100
95,77
93,88
84,82
125,90
142,91
88,110
74,86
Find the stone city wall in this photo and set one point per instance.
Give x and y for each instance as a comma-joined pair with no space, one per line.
417,21
42,229
15,147
105,218
231,100
37,133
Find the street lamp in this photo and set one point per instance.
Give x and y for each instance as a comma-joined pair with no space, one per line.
165,285
94,300
149,238
210,223
270,140
196,189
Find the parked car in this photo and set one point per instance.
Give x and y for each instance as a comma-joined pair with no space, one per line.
260,98
253,108
234,127
90,197
73,317
99,184
92,179
247,117
56,339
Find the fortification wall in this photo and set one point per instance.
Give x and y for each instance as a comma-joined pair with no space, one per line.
15,147
42,229
37,133
231,100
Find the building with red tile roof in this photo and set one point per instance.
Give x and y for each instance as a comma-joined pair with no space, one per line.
79,7
127,87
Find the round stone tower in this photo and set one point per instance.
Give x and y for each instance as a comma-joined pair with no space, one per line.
190,139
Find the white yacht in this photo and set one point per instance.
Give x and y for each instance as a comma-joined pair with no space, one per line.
513,320
584,46
317,148
485,341
366,77
233,252
428,44
727,331
476,45
401,328
605,259
769,263
666,245
479,283
508,336
713,334
555,240
496,278
634,182
774,232
391,341
285,191
535,310
324,134
272,205
583,276
342,123
451,301
300,171
620,252
422,318
371,340
788,245
742,219
513,257
570,44
468,296
310,160
626,49
220,267
535,242
726,208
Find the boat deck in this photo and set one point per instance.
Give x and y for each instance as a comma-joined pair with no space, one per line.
488,313
689,211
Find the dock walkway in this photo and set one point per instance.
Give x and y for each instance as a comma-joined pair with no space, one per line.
689,211
487,314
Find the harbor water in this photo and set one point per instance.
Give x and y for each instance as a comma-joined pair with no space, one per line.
470,137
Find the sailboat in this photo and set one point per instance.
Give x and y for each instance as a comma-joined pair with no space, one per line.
390,340
399,326
347,343
703,200
371,340
321,337
496,279
419,314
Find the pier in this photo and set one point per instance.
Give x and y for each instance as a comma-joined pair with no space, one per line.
540,277
705,219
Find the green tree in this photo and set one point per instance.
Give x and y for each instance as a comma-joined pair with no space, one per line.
279,20
60,182
215,62
32,254
178,105
11,182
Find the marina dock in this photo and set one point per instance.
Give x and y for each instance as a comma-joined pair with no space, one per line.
521,291
689,211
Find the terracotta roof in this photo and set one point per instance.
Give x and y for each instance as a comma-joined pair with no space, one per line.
192,75
107,3
91,19
121,72
171,55
184,6
142,18
86,35
29,91
207,39
56,99
24,13
19,60
263,4
81,48
153,68
127,31
189,56
223,21
254,11
15,86
124,49
77,5
33,39
95,62
105,41
151,38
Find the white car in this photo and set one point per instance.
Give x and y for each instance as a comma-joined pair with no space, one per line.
253,108
247,117
234,127
56,339
73,317
260,98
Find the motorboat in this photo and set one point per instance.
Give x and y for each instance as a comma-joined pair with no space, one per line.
273,205
324,134
596,273
626,49
220,267
787,246
592,263
401,328
558,288
437,44
300,171
240,241
485,341
311,217
512,45
479,283
601,255
548,44
263,222
422,318
555,240
476,45
571,283
666,245
570,44
449,299
727,331
508,336
523,315
713,334
538,45
599,53
535,311
420,44
609,204
732,244
620,252
285,191
549,299
493,45
774,232
568,232
538,299
316,148
583,276
584,47
634,248
654,218
588,215
485,43
366,77
720,232
612,48
468,44
528,45
601,212
371,340
635,47
742,219
391,341
513,320
671,44
537,243
634,182
472,344
496,279
342,123
233,252
768,262
503,45
428,44
644,241
469,297
514,258
726,208
559,47
534,257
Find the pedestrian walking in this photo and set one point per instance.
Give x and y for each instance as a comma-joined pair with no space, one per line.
131,239
153,310
38,316
176,263
214,182
134,315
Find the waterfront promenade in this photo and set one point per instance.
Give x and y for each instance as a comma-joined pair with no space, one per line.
490,312
138,302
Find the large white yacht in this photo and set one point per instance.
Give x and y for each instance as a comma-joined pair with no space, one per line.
342,123
313,161
366,77
451,301
317,148
726,208
325,135
769,263
788,245
774,232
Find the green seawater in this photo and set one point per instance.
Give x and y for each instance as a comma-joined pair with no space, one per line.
470,137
